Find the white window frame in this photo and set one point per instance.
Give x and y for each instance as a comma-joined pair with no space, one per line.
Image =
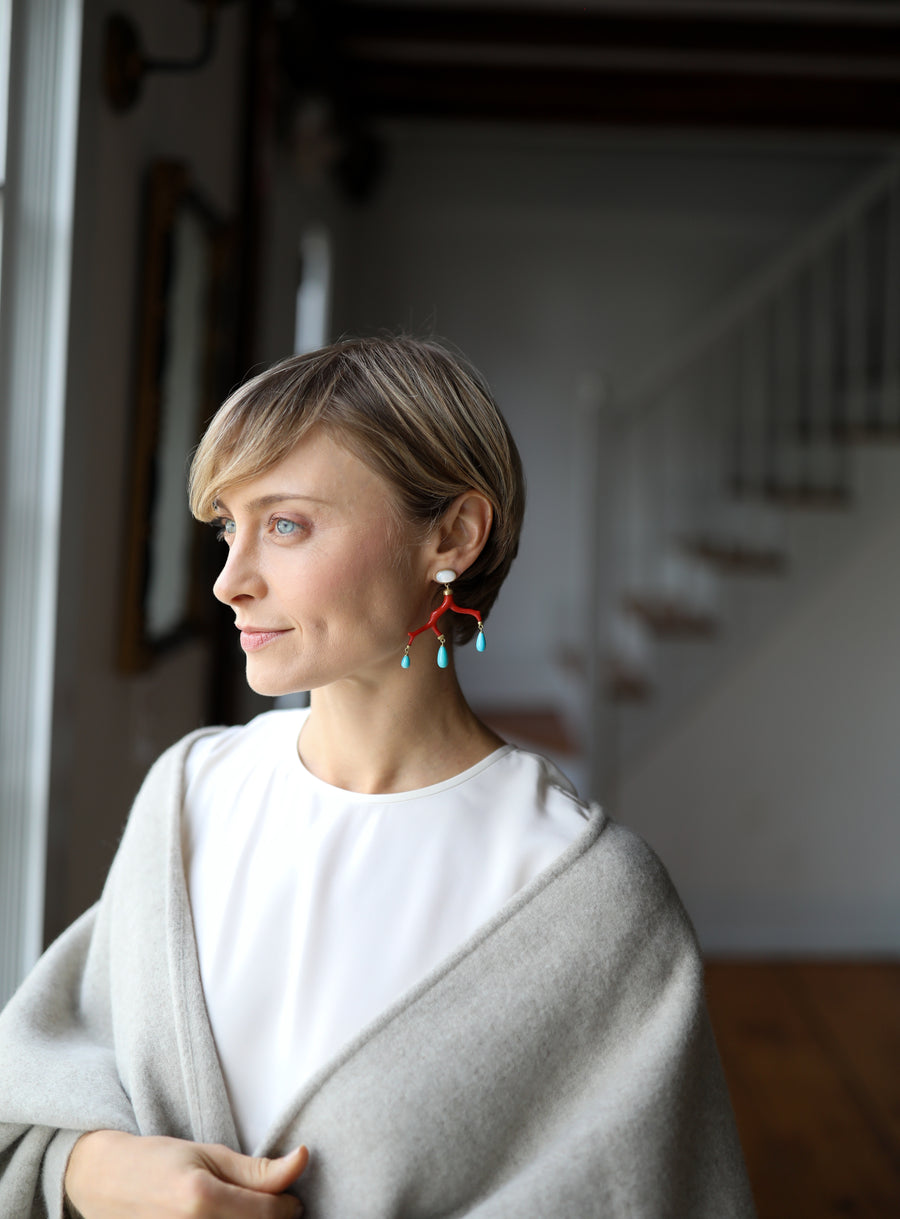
312,317
44,74
5,23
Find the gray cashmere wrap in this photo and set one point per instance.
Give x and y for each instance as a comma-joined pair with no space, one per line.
560,1063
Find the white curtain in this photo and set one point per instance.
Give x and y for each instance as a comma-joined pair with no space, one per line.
44,64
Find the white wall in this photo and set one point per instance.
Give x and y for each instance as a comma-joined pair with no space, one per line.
108,727
775,799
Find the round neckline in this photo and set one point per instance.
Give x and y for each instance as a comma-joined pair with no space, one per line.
417,793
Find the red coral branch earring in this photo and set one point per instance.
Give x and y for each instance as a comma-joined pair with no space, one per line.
445,577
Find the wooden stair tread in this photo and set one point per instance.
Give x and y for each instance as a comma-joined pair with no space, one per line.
543,727
817,498
873,432
734,558
670,619
627,684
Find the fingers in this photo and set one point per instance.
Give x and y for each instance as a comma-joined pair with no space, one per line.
219,1199
279,1174
256,1172
251,1187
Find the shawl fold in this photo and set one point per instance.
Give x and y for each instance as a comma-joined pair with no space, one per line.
560,1062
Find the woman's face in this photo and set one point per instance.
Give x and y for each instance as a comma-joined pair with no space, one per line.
323,578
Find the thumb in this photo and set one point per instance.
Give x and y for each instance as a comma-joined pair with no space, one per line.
258,1172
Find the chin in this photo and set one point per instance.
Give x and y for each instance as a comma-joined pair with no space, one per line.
273,685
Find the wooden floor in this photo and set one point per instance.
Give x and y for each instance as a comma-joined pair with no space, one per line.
812,1056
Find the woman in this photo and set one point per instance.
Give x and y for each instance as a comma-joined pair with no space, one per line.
371,929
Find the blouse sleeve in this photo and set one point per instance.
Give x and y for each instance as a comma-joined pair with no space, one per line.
58,1074
108,1032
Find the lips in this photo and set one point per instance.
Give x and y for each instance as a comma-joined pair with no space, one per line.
252,639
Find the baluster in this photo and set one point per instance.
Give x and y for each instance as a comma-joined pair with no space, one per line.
890,362
874,241
782,408
796,430
722,456
838,368
735,461
717,444
822,368
757,401
701,475
632,536
856,321
664,444
770,426
598,459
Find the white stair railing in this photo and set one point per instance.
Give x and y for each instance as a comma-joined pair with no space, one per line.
751,415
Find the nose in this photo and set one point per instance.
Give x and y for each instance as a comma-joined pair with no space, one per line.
240,577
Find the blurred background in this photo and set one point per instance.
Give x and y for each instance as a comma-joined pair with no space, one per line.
668,232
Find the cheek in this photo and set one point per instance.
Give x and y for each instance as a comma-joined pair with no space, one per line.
382,580
368,579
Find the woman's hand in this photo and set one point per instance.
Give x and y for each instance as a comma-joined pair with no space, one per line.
111,1175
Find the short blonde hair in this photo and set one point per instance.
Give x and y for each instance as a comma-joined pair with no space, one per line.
411,410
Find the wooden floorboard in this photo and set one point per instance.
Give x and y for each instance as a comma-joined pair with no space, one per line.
858,1012
811,1051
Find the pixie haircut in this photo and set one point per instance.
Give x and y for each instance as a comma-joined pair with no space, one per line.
408,408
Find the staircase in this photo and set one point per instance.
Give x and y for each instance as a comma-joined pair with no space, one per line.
743,464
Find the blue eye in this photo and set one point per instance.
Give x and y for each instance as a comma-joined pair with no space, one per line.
285,527
224,528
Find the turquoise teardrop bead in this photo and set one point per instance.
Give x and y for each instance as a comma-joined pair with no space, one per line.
405,661
443,658
480,643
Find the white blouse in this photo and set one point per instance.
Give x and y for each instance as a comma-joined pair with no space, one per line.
316,908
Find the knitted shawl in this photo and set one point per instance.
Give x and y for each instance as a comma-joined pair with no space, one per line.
559,1063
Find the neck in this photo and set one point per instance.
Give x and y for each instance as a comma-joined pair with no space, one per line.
413,729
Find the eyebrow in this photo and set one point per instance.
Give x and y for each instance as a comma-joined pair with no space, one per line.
269,501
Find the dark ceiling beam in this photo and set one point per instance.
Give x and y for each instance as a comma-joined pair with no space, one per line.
618,98
715,29
818,67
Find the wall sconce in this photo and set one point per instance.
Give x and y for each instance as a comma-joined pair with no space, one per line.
126,64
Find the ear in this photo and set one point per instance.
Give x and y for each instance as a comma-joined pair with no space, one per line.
462,532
